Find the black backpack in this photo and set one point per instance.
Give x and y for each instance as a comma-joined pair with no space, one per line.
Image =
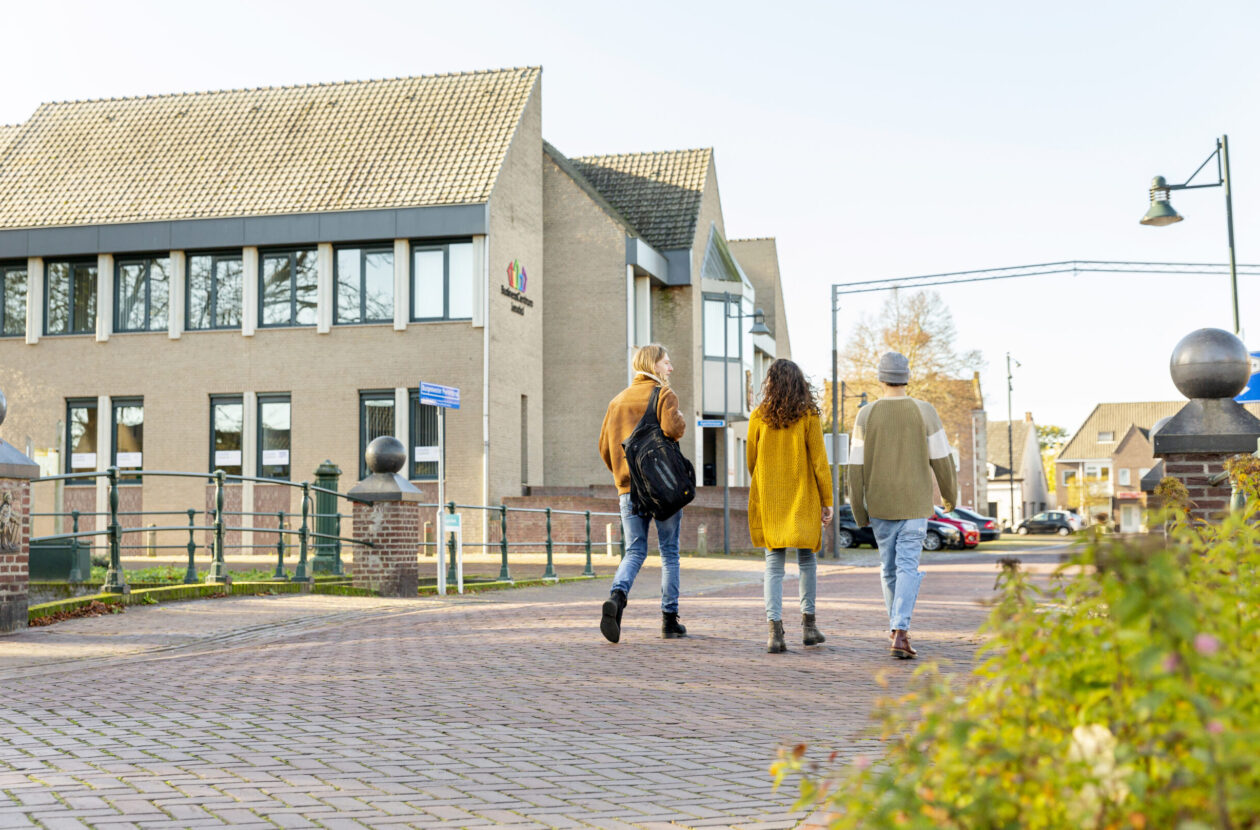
662,480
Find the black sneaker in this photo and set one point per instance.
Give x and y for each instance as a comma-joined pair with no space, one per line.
610,622
671,628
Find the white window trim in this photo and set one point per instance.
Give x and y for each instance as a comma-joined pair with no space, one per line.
104,297
325,294
178,295
402,284
34,299
249,295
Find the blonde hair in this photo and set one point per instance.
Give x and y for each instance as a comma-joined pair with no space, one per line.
646,358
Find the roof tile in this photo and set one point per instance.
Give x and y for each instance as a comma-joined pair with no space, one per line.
659,193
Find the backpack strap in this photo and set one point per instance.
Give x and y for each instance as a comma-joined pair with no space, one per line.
649,416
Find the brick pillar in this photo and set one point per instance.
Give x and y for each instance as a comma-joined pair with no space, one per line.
386,515
1194,470
16,472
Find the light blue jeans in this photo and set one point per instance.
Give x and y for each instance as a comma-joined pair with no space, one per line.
900,546
776,561
635,529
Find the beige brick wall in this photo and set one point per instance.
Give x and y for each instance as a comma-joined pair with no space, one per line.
584,327
760,261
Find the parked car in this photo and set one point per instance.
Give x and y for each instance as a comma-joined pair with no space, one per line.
850,535
989,527
969,533
941,535
1051,521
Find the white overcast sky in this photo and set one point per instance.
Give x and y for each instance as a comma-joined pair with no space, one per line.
872,139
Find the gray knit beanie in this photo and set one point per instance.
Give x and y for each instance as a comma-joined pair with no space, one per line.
894,369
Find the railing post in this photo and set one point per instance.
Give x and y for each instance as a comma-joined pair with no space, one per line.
589,571
550,573
218,568
504,575
76,574
451,576
115,582
327,521
190,575
301,574
279,574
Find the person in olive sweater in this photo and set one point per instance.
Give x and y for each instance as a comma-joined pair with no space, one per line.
898,447
652,368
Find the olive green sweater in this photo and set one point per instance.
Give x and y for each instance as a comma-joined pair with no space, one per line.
898,445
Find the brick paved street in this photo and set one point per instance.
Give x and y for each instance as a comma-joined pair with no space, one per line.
502,709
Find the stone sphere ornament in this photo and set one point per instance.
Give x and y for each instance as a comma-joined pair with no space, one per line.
1210,363
385,455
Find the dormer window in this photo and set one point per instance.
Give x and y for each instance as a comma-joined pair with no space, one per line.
1106,437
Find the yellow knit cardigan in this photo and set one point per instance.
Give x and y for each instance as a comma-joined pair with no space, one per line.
790,483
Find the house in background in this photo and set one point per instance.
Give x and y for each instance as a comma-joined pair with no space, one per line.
1017,486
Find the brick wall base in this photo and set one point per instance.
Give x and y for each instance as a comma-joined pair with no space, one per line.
391,567
1193,470
15,539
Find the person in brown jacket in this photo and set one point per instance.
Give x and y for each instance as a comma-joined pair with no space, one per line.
651,370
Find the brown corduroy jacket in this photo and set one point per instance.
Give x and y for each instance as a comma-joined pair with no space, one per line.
624,412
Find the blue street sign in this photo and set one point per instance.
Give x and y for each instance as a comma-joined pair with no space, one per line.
1252,392
446,397
711,423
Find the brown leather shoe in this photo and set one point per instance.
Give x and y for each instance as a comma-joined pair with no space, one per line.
901,648
892,635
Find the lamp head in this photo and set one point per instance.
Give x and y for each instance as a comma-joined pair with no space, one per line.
759,323
1161,211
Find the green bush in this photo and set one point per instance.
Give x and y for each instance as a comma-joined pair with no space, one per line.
1124,695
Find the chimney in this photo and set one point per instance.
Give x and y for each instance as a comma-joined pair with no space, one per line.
1028,417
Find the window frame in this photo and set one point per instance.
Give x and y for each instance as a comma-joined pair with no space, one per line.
413,431
80,403
5,271
732,356
292,253
1111,436
263,399
230,399
366,395
116,404
364,249
215,258
147,261
443,245
1124,477
72,262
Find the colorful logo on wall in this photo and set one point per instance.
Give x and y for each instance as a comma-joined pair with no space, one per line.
516,276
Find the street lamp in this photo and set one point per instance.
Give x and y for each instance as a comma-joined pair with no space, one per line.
1161,211
758,327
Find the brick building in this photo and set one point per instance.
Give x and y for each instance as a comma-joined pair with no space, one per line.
258,280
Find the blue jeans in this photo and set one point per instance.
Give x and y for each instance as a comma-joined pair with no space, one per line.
635,529
776,561
900,546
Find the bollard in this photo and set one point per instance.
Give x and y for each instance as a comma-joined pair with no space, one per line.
115,582
589,571
504,576
280,574
190,574
327,521
550,573
76,574
151,541
702,541
449,541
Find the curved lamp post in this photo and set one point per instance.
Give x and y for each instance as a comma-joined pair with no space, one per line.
1161,211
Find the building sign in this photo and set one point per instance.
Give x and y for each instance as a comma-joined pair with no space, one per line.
515,288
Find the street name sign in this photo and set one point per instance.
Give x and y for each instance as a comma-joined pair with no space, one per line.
432,394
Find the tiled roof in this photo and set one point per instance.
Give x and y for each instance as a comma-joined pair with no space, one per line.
8,132
403,142
658,192
571,170
1115,418
998,453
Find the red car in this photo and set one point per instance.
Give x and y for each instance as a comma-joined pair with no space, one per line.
968,532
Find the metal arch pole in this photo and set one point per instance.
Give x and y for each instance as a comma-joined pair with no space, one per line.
726,427
1010,441
1229,221
835,428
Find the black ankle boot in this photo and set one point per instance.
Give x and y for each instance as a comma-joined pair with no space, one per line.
775,644
671,628
610,621
812,636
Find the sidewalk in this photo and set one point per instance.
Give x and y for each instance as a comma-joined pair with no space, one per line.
498,709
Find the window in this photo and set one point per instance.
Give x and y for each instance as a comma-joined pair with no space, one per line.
128,425
80,438
1069,478
274,436
1123,476
365,285
227,428
287,288
214,291
1101,472
424,439
1106,437
714,346
12,300
441,281
70,298
142,292
376,418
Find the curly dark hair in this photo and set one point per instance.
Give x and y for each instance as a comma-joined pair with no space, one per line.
785,395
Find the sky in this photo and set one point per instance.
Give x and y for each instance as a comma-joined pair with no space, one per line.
873,140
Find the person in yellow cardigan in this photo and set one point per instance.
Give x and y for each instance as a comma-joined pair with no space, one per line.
789,501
